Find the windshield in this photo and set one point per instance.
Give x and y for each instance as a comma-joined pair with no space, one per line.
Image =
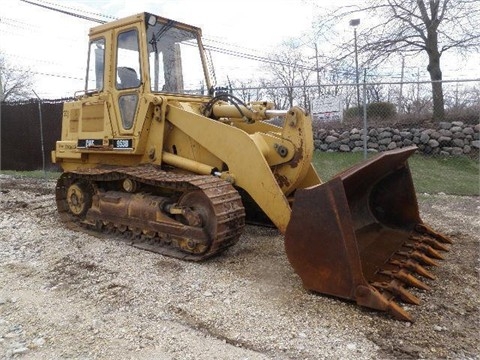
174,60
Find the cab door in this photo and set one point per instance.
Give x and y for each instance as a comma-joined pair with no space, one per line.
128,80
89,117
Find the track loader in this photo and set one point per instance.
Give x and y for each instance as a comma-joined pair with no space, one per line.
151,150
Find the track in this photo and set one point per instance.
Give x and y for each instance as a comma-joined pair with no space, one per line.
191,217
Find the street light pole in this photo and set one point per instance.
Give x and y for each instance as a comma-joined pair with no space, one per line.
355,23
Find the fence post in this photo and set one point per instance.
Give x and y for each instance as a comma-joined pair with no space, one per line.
365,132
41,133
1,100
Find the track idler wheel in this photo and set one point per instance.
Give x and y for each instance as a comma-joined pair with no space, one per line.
79,198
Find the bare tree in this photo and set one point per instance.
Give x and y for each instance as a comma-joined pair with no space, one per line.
247,90
290,69
16,83
412,27
463,96
275,93
416,100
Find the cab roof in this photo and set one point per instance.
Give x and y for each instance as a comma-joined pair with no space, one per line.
140,17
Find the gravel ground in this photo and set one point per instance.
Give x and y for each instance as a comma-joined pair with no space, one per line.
69,295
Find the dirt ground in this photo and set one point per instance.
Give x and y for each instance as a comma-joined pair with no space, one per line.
70,295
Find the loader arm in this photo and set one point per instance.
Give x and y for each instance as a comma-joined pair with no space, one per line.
247,162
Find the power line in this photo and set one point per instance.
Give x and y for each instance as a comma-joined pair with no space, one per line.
46,62
210,39
236,53
75,12
81,10
62,76
71,13
21,33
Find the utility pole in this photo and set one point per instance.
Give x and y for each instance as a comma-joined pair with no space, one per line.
456,96
400,95
317,68
418,85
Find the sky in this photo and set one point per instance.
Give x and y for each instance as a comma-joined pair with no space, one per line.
54,45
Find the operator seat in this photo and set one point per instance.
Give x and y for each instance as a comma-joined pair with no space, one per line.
128,78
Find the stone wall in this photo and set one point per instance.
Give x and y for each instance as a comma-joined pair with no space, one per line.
448,138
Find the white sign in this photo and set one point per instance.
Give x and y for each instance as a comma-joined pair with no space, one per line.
328,108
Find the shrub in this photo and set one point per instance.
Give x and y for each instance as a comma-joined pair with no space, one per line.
376,110
353,112
382,110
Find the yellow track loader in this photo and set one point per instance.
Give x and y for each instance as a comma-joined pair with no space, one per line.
150,149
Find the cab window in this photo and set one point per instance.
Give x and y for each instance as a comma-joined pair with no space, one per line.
128,76
128,60
96,66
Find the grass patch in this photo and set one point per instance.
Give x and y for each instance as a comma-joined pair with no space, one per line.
432,175
36,174
328,164
449,175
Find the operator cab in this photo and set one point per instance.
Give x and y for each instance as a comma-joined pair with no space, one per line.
175,64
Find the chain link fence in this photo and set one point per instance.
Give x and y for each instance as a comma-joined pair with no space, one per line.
29,130
377,117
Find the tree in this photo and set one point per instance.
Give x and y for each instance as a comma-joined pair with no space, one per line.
247,90
412,27
289,69
16,83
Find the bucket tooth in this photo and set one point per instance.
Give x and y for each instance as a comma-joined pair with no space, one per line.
413,266
416,255
426,230
406,278
436,245
429,241
399,291
369,296
406,295
420,270
427,250
398,312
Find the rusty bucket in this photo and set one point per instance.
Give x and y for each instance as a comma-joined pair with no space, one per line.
359,236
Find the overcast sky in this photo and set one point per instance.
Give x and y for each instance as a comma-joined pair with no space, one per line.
53,45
